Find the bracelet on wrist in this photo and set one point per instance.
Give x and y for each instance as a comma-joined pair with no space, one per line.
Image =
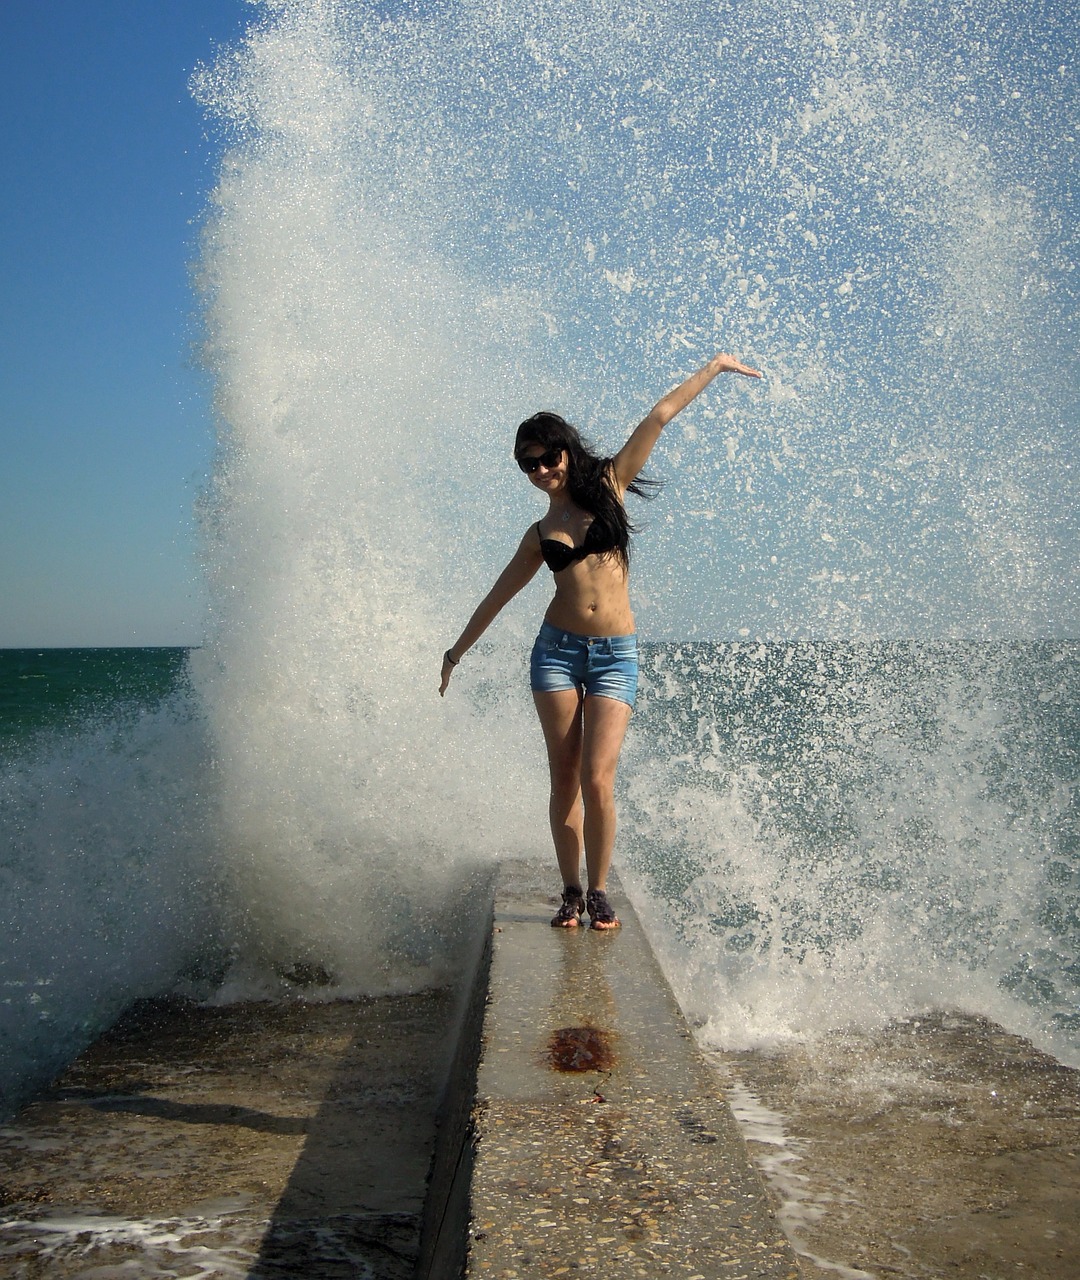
447,657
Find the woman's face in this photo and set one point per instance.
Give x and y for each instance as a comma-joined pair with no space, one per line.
548,469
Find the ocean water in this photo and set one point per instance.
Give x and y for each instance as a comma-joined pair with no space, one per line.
819,836
61,689
830,835
106,853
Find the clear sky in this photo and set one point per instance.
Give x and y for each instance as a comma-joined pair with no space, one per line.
105,432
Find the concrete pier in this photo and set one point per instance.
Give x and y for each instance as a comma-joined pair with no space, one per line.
600,1144
553,1118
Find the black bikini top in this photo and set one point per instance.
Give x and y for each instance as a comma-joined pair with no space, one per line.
559,555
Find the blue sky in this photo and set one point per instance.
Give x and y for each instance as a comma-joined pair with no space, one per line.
105,432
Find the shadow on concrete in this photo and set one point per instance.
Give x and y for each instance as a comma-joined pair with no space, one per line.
377,1189
355,1196
138,1104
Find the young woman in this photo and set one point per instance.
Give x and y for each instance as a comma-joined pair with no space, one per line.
584,662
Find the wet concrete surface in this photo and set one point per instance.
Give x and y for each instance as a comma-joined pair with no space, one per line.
938,1146
602,1142
583,1134
254,1140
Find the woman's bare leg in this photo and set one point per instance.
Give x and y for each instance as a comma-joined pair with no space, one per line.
604,721
560,719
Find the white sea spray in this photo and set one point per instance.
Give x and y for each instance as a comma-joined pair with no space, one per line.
429,224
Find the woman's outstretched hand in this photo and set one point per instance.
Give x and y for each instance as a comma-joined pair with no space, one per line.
447,672
635,452
728,364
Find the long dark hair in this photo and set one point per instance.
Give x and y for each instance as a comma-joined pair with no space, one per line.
590,479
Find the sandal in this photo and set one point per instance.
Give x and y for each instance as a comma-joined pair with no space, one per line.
573,905
601,913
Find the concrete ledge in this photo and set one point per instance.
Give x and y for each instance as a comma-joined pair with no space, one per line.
601,1144
445,1225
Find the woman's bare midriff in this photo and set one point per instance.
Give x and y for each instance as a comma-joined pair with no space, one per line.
591,599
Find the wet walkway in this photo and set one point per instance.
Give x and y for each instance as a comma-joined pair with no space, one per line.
257,1141
601,1144
581,1133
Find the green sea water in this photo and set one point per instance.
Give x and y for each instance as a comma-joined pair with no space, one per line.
60,689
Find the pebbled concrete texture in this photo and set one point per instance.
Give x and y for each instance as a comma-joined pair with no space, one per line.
250,1142
601,1141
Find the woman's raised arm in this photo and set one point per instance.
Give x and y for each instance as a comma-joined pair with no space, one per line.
635,452
520,571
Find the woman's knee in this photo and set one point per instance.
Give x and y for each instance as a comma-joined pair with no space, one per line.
598,786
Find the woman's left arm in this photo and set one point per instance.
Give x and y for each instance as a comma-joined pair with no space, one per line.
635,452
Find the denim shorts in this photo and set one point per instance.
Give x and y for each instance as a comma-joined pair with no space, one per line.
602,665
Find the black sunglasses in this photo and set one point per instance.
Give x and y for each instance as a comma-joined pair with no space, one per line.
549,460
